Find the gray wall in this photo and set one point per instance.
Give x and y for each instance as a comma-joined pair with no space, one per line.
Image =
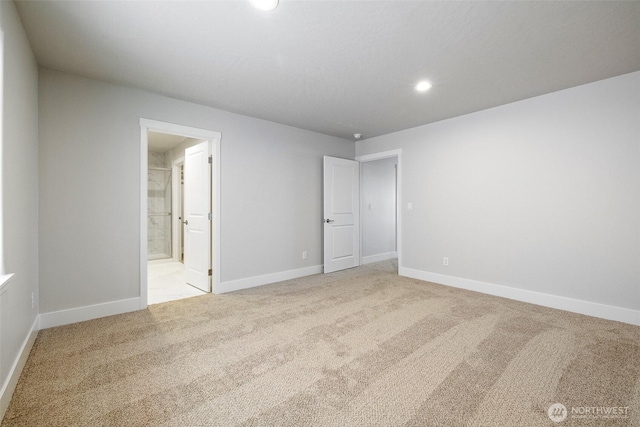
20,191
541,195
89,189
378,210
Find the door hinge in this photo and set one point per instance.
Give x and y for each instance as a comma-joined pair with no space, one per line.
210,159
210,216
210,272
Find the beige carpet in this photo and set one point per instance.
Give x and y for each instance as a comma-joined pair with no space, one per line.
362,347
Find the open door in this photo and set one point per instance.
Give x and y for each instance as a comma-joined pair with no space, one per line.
197,210
341,214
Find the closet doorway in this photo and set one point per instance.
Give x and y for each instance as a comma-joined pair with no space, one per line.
380,207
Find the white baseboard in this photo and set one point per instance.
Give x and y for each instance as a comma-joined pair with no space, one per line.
16,368
252,282
589,308
379,257
80,314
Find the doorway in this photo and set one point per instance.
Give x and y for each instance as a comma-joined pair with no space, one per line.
381,202
167,273
163,225
343,241
378,209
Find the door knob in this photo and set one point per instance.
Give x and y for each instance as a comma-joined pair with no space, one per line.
185,222
329,221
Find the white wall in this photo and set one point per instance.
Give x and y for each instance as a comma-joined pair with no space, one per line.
378,210
541,195
19,200
89,189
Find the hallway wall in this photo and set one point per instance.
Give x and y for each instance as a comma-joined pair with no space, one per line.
19,200
270,200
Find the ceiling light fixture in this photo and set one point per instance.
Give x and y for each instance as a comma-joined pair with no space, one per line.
357,136
423,86
264,4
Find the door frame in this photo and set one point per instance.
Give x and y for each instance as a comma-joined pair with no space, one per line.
379,156
186,131
176,208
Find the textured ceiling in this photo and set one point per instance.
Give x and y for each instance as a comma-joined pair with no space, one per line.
339,67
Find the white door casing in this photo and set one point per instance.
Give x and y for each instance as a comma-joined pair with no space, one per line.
187,131
341,221
197,208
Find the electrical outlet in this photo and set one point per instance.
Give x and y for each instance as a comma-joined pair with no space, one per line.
445,261
304,254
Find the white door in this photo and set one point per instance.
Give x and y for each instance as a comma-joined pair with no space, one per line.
197,207
341,214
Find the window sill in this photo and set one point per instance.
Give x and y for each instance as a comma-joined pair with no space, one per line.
4,281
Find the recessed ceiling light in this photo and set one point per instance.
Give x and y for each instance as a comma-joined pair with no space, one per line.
264,4
423,86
